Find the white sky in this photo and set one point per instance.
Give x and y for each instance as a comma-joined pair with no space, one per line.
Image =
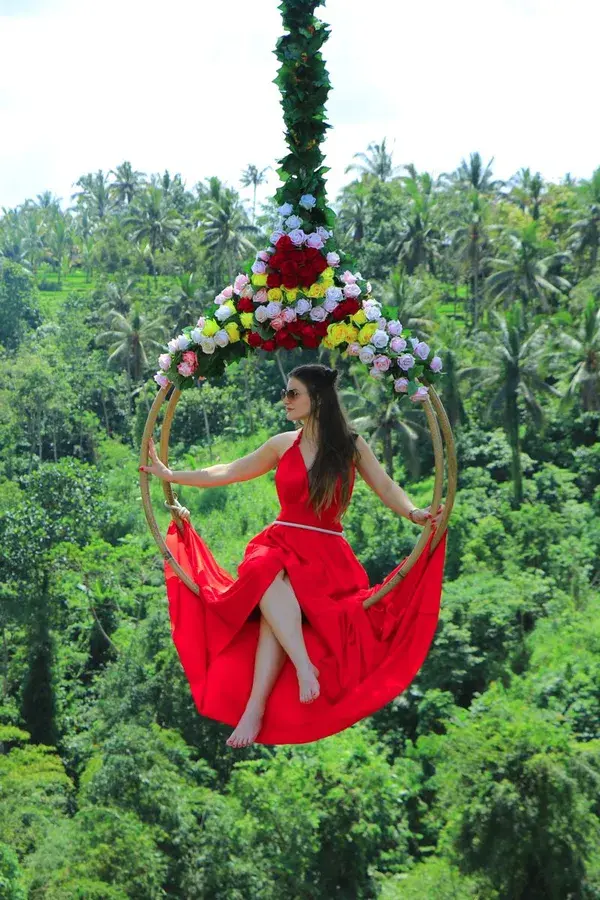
187,85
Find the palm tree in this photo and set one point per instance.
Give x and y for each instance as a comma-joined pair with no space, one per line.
584,378
118,298
472,175
419,243
255,177
152,219
526,191
373,409
126,183
60,239
399,292
470,243
586,231
94,196
225,228
33,233
512,371
524,276
376,162
184,304
353,216
129,341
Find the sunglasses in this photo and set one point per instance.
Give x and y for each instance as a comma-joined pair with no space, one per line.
292,394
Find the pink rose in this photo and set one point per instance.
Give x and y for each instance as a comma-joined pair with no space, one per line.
161,379
375,372
397,344
276,236
382,363
240,283
436,364
185,369
406,361
289,314
354,348
422,350
261,296
190,358
348,277
263,255
351,290
200,322
278,322
333,260
259,267
421,393
227,292
297,237
164,361
401,385
318,314
315,241
394,327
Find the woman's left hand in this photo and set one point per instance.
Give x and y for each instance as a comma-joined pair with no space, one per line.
423,516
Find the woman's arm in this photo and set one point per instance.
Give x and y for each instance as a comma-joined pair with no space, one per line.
390,493
253,465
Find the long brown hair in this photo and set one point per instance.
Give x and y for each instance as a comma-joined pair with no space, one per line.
337,449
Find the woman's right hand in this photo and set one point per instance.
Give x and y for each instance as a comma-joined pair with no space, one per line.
157,468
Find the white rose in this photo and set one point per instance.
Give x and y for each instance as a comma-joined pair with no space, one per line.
394,327
307,201
260,313
183,342
276,235
334,293
223,313
324,235
207,344
221,338
330,304
333,259
314,240
318,314
380,339
372,312
367,354
173,345
273,308
197,335
351,290
422,350
302,306
293,222
285,210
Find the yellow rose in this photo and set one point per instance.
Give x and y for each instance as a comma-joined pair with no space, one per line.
316,290
210,328
351,333
259,280
274,294
233,331
328,343
328,283
247,320
359,317
327,274
365,334
291,294
336,333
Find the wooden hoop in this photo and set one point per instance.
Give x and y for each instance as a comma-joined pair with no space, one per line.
441,433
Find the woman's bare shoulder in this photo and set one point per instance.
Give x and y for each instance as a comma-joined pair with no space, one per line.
283,441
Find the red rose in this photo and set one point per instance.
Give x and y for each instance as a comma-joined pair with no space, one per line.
273,280
254,339
245,304
268,345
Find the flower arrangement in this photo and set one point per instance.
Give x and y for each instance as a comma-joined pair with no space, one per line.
299,291
294,294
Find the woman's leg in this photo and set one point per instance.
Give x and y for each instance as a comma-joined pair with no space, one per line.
269,659
281,609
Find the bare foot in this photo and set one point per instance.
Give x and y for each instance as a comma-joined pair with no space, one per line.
309,684
247,728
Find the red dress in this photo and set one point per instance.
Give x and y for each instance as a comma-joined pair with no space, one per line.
365,657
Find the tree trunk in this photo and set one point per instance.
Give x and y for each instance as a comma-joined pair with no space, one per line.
512,415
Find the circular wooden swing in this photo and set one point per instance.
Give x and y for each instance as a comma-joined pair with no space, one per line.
439,427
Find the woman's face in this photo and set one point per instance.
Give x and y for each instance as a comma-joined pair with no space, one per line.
298,406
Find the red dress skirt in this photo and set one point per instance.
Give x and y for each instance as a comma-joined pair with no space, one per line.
365,657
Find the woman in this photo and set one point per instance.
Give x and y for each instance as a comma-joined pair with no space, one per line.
296,606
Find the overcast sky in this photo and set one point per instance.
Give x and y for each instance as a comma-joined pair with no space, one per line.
187,85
